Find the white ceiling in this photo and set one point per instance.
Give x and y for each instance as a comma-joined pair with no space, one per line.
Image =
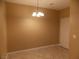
56,4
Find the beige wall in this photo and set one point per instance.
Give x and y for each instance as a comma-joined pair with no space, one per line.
64,32
3,47
64,27
74,32
25,31
65,13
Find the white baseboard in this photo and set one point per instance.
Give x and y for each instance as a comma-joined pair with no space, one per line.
63,46
32,49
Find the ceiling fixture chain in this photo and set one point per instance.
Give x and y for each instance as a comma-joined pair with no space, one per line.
37,13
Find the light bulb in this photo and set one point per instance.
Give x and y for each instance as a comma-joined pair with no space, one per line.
34,14
38,15
41,14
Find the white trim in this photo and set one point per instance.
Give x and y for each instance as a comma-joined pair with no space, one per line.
32,49
63,46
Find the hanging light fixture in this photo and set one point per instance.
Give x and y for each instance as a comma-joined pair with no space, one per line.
37,13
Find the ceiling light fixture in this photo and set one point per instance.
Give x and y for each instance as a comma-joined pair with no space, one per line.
37,13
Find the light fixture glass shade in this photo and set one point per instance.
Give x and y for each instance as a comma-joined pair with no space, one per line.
41,14
37,14
34,14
